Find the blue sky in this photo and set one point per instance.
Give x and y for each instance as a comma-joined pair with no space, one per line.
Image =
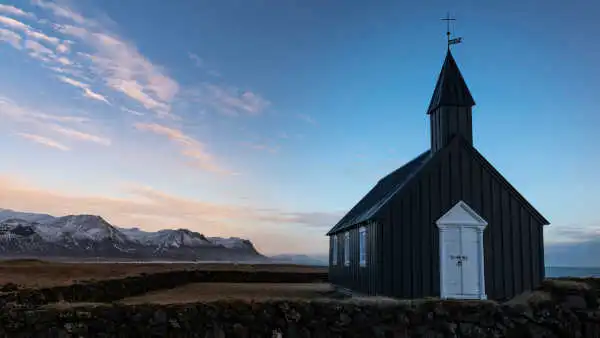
269,119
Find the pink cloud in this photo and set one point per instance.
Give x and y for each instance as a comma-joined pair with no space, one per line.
11,37
12,10
87,92
44,141
79,135
190,147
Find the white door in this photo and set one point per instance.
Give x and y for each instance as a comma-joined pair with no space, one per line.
452,271
462,264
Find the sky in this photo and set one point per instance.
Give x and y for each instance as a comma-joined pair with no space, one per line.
268,120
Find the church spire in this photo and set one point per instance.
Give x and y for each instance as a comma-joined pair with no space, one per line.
451,103
451,89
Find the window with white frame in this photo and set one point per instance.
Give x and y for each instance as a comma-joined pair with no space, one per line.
362,243
334,250
347,248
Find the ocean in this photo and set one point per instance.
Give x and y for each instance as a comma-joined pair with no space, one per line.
555,271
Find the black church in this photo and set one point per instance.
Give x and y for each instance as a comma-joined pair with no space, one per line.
446,224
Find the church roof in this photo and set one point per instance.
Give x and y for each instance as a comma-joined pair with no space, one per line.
381,193
451,89
395,183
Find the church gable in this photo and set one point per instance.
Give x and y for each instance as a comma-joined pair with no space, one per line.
480,168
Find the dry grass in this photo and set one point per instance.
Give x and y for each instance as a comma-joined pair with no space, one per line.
35,273
206,292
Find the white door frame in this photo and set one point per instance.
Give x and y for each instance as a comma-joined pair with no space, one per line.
461,215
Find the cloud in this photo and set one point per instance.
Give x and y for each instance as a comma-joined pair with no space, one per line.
121,66
43,37
93,95
152,209
261,147
14,24
44,141
28,30
45,123
59,11
87,92
39,51
198,62
78,135
306,118
131,111
12,10
572,234
37,47
64,61
63,48
229,100
190,147
10,109
11,37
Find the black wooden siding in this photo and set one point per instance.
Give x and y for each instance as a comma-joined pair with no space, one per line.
446,122
363,279
403,248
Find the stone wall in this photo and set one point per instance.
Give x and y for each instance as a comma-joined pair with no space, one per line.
557,309
114,289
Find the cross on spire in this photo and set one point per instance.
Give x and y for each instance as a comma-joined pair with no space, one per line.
451,41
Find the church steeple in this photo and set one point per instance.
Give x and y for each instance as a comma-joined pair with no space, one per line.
450,106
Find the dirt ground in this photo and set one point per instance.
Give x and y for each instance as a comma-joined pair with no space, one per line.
205,292
36,273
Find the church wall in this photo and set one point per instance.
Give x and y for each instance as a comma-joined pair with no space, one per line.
513,240
361,279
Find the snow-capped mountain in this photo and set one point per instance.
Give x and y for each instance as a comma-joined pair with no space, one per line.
84,236
29,217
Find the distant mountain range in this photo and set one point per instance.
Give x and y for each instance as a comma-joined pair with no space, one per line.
86,237
315,260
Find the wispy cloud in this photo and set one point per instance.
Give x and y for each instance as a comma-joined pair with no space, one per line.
131,111
14,24
10,37
12,10
201,63
48,123
190,147
63,48
87,92
60,11
198,62
10,109
78,135
229,100
307,119
44,141
28,30
117,61
261,147
112,59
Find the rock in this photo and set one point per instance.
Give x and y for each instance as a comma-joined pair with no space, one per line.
240,331
160,317
574,302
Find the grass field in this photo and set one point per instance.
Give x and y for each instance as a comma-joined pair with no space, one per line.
37,273
205,292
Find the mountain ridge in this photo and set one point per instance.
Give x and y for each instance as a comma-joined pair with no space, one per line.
88,236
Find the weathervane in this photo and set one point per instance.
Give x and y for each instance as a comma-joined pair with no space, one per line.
450,40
